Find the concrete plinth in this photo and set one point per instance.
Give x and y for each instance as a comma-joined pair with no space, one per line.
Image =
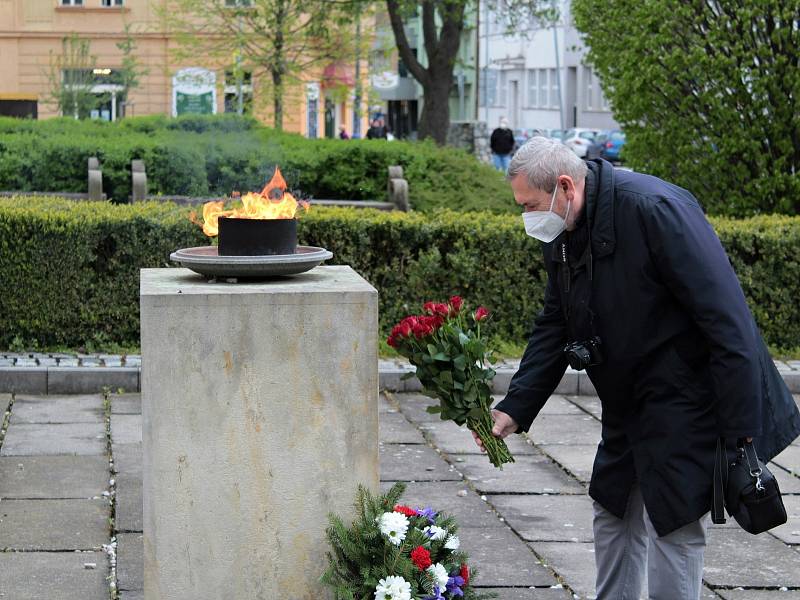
260,416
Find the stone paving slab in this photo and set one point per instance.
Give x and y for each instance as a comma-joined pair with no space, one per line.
555,405
54,524
126,404
413,406
53,476
130,561
469,510
577,459
452,439
565,429
588,404
519,566
728,560
547,518
127,459
126,429
129,507
26,439
789,459
789,533
406,462
528,593
53,575
58,409
385,406
127,595
529,474
574,562
394,428
759,594
5,401
789,483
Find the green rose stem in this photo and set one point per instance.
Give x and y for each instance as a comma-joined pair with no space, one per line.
496,447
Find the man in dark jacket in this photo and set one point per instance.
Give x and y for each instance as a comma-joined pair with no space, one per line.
502,143
639,281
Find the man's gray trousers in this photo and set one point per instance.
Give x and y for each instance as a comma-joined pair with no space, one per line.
625,547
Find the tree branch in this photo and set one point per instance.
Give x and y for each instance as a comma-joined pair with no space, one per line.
403,47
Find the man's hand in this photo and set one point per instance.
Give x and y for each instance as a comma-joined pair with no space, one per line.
504,425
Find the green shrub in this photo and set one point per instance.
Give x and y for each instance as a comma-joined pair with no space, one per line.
201,155
70,269
707,93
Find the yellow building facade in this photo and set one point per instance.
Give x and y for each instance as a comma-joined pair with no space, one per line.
32,30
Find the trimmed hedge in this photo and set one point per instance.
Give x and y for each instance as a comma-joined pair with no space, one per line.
202,156
70,269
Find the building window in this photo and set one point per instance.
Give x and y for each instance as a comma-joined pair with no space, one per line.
111,2
543,88
232,92
588,87
532,83
553,89
502,96
488,87
71,2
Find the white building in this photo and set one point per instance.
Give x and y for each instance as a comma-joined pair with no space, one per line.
538,80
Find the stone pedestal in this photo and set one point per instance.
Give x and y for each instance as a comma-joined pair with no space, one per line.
259,404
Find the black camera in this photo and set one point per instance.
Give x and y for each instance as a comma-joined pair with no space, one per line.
584,354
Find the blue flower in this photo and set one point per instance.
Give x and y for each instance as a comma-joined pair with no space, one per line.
437,594
428,513
454,586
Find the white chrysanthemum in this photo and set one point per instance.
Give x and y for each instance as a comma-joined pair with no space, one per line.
393,588
394,526
439,574
452,542
435,533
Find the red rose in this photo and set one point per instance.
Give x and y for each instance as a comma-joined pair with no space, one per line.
421,558
392,341
429,307
455,304
406,510
441,309
465,573
481,314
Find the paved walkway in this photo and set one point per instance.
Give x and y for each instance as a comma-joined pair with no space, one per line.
71,502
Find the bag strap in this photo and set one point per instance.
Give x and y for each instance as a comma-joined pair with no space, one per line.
720,477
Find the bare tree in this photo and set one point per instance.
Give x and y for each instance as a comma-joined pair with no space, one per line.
70,78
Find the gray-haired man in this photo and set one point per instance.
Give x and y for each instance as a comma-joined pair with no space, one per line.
641,294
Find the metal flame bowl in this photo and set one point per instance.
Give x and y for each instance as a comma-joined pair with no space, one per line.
206,260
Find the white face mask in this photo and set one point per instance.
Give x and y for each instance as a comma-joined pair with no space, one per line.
545,225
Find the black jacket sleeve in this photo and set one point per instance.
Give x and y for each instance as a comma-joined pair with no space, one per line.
693,264
543,363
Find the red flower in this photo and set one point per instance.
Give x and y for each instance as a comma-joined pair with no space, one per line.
465,573
455,304
481,314
421,557
406,510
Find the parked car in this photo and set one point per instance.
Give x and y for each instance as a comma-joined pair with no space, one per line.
607,145
523,135
579,139
557,134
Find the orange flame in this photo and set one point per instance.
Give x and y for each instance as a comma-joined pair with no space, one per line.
273,202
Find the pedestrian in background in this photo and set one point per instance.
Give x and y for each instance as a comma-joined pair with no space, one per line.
343,133
501,144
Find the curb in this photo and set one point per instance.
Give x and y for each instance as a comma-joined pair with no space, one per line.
89,380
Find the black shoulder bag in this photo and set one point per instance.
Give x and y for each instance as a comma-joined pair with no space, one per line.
747,489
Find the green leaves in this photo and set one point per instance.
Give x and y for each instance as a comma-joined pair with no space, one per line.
707,93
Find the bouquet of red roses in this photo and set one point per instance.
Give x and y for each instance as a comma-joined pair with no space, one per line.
446,347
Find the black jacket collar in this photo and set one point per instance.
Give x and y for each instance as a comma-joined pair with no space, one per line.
600,200
599,206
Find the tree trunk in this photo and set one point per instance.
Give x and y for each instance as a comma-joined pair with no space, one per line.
277,91
435,120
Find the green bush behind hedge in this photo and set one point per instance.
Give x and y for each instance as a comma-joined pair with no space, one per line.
205,155
69,270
